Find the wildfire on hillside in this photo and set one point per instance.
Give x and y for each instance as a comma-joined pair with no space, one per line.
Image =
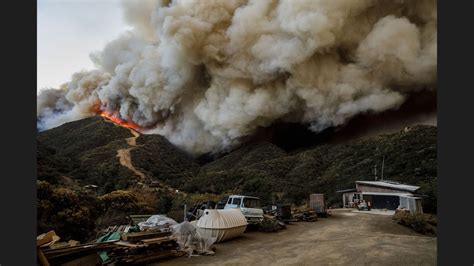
115,117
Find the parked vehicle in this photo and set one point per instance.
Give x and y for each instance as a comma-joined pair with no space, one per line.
363,206
249,206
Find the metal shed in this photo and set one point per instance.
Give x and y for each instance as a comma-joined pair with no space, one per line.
383,194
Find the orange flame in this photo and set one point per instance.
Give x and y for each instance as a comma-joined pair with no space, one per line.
115,117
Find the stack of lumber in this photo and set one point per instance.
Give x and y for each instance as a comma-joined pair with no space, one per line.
131,248
63,255
143,247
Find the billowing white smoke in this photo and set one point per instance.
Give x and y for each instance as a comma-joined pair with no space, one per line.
207,73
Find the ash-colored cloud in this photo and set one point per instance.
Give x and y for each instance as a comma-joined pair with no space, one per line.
206,73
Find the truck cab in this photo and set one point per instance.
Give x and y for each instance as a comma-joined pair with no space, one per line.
249,206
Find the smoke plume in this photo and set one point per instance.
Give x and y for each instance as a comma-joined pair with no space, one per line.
205,74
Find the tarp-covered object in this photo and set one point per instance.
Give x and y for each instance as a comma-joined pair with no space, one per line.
157,222
192,239
223,224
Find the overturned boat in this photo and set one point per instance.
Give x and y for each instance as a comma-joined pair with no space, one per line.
222,225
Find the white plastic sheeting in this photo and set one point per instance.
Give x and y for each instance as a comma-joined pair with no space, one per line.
157,222
223,224
192,239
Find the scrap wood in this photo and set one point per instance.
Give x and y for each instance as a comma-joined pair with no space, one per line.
135,237
58,245
60,249
89,259
142,255
52,242
46,238
158,240
42,258
130,245
53,253
268,216
70,243
73,243
66,251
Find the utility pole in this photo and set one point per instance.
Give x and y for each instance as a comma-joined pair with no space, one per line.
375,172
383,161
184,218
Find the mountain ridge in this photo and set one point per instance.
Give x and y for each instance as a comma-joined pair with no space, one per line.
86,152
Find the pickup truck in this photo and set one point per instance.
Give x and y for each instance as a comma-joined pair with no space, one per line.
249,206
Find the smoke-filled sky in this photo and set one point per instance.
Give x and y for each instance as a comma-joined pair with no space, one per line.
68,31
207,74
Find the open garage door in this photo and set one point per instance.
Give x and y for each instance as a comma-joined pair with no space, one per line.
385,202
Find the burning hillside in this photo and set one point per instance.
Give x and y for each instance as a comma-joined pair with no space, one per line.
208,74
115,117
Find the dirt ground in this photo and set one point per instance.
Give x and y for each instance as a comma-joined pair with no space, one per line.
345,238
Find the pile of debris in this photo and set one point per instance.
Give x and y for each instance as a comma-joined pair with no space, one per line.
271,223
277,216
129,248
142,247
307,215
280,211
156,238
51,251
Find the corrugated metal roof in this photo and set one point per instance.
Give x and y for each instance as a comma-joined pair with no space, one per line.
346,190
387,194
390,184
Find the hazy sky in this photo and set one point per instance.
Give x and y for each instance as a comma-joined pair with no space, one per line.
68,31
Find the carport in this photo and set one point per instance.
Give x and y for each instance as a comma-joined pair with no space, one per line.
383,200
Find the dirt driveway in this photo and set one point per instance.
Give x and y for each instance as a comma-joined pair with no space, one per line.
345,238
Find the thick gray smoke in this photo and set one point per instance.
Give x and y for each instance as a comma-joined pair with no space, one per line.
207,73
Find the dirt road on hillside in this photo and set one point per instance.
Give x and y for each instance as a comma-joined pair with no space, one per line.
346,238
124,154
125,160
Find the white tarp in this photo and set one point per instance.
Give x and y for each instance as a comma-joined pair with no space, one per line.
157,222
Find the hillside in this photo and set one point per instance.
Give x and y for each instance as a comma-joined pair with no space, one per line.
92,151
87,150
409,157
